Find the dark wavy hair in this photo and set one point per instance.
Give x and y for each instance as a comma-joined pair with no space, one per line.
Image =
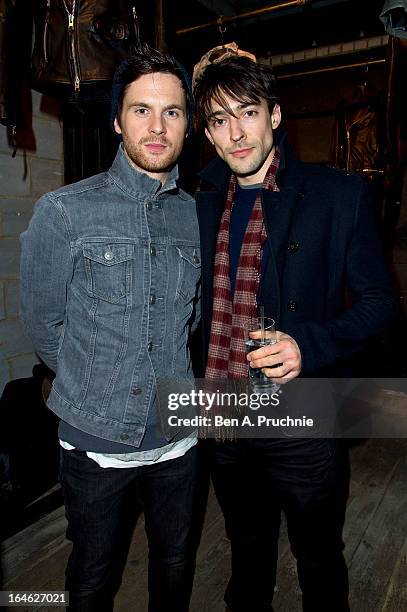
147,60
237,77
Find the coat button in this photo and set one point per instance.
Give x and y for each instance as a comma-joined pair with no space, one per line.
108,255
124,436
152,299
292,306
293,246
136,391
150,347
149,205
196,259
152,251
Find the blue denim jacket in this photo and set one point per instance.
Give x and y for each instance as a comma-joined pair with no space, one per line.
110,270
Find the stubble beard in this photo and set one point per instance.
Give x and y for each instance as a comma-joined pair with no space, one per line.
150,163
244,167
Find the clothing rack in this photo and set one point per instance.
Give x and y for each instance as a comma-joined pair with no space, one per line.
262,11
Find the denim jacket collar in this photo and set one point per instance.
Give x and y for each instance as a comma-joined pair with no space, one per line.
134,182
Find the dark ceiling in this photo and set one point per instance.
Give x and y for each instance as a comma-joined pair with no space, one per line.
317,23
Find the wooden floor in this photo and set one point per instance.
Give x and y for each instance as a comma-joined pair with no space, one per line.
375,536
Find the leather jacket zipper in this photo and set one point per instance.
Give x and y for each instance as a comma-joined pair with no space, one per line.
73,59
45,35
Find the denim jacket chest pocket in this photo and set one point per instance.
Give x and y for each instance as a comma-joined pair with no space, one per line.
108,267
189,271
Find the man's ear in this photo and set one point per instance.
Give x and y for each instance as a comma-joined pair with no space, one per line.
116,125
208,135
276,117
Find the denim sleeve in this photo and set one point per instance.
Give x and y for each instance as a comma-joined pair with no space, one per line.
46,271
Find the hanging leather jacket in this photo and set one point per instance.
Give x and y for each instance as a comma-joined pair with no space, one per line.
358,138
79,43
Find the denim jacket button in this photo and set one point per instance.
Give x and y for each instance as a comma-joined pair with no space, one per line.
150,347
152,251
149,205
108,255
136,391
124,436
152,299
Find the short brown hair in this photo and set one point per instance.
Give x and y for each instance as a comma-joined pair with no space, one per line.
237,77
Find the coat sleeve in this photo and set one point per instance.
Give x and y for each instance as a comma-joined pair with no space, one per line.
373,302
46,271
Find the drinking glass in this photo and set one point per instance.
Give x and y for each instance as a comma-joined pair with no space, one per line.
259,331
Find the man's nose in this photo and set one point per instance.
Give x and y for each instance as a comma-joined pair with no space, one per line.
236,131
157,124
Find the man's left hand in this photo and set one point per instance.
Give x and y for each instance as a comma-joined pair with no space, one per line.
281,361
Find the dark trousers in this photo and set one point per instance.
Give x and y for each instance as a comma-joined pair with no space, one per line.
97,504
254,481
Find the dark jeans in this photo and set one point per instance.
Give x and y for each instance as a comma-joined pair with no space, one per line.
98,504
308,479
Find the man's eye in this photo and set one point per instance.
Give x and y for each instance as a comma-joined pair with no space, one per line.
141,111
173,114
250,114
218,122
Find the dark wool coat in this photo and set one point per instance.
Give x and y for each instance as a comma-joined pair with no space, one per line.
325,253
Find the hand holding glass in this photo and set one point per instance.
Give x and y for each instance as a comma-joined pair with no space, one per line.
259,331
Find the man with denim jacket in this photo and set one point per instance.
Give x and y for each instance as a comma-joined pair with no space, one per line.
109,280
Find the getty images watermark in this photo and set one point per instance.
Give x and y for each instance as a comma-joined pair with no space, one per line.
207,403
304,407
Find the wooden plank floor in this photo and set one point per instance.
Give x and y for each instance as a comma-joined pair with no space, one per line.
375,537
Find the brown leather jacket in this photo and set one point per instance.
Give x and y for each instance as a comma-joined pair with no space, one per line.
77,46
80,42
358,139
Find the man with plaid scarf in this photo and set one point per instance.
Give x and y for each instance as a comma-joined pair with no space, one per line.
293,238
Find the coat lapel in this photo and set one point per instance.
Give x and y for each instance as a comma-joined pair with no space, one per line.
209,205
279,211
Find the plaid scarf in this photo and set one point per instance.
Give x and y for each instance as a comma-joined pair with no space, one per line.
227,354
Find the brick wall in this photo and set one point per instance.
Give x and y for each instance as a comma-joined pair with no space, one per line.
22,180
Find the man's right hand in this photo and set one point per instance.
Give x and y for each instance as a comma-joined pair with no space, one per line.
280,361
